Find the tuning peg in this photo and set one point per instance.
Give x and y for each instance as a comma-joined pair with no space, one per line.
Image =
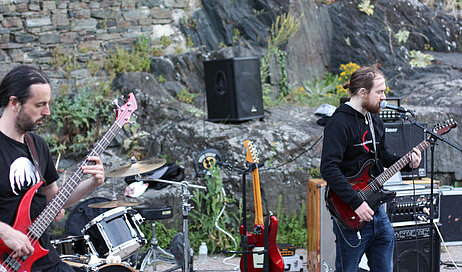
115,103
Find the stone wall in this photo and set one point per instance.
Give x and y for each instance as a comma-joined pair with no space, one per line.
31,30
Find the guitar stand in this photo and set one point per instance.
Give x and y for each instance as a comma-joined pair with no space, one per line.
244,238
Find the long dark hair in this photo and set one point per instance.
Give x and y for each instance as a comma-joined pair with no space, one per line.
363,78
18,81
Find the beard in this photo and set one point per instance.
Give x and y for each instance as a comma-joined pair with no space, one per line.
24,122
371,107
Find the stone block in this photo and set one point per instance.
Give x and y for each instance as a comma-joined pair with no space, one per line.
21,7
136,14
60,19
24,37
4,38
12,45
50,37
84,24
106,13
94,5
17,55
106,23
68,37
34,7
161,30
3,56
161,13
175,3
149,3
12,22
49,5
82,14
37,22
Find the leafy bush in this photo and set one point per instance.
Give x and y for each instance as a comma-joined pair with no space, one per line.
207,206
137,60
77,120
292,228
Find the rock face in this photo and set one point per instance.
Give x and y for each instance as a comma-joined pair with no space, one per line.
365,39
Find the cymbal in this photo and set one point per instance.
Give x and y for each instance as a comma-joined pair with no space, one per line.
136,168
113,204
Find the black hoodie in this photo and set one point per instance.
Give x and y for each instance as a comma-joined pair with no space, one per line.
347,146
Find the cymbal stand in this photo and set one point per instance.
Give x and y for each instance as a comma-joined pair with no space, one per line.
186,207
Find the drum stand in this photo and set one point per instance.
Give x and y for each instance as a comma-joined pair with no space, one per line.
151,255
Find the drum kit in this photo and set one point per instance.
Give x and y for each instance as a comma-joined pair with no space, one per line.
113,240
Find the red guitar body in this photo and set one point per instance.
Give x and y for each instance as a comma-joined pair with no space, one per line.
276,263
22,224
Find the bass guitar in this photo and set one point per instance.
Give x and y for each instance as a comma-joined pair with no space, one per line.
34,230
256,241
370,188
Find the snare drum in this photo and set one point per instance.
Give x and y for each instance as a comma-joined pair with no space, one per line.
116,268
115,232
71,245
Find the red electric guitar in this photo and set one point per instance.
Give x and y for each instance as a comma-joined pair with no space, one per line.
256,241
35,229
370,188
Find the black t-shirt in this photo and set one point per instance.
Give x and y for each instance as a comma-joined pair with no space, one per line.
17,174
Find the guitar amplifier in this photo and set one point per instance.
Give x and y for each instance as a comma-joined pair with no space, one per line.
451,215
400,138
408,209
321,238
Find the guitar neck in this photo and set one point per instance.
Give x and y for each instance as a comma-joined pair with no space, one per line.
392,170
45,218
257,197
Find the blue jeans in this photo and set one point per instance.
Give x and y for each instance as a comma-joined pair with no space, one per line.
377,241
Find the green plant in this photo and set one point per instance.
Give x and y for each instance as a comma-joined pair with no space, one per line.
419,59
366,7
161,79
137,60
285,27
402,35
189,42
236,35
77,120
291,228
207,207
61,60
165,41
186,96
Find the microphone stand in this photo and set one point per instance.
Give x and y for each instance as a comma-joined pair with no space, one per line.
432,139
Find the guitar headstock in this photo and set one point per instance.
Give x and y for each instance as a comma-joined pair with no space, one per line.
252,154
124,112
444,127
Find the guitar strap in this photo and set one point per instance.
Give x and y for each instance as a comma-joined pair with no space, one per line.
371,128
33,153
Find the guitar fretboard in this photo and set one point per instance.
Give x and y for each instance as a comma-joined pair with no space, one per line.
400,164
45,218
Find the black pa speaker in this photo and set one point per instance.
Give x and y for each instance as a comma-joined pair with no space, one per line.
400,138
412,249
233,89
